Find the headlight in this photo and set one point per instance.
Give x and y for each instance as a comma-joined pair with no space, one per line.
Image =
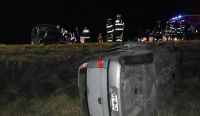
175,39
155,39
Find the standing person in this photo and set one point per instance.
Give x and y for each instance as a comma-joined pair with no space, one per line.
147,33
100,38
86,34
197,31
140,34
119,28
158,34
77,35
192,32
62,30
167,32
110,29
186,31
106,38
179,31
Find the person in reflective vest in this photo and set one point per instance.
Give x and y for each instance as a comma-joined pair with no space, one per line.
167,33
179,32
119,28
110,30
158,34
86,35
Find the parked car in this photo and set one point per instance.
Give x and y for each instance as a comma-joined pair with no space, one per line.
46,34
131,79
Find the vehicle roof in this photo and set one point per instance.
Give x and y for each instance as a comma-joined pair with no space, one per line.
49,27
45,25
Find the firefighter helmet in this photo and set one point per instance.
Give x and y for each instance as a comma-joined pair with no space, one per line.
118,15
58,26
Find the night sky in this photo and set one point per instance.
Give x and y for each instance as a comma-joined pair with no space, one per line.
18,17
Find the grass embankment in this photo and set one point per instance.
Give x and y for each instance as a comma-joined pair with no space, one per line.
187,101
34,80
58,105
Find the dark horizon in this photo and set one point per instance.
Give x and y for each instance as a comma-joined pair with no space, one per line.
19,17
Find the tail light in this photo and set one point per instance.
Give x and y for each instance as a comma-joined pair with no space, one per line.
100,62
84,65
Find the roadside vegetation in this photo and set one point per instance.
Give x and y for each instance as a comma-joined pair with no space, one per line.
35,79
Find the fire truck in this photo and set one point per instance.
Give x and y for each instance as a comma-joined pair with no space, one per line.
179,26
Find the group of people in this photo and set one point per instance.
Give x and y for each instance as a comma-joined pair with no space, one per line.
178,29
116,29
75,37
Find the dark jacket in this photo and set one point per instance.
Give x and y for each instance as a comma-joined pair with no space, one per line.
77,34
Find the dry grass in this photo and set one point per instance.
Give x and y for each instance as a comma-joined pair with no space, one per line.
59,105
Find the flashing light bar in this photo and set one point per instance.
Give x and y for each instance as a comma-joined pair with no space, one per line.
178,17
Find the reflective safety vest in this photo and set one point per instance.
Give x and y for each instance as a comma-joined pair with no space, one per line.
109,27
167,32
119,25
179,30
172,30
86,33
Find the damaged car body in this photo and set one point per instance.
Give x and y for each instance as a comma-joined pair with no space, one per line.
131,79
46,34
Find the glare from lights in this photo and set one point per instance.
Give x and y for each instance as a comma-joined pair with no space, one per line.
175,17
179,16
